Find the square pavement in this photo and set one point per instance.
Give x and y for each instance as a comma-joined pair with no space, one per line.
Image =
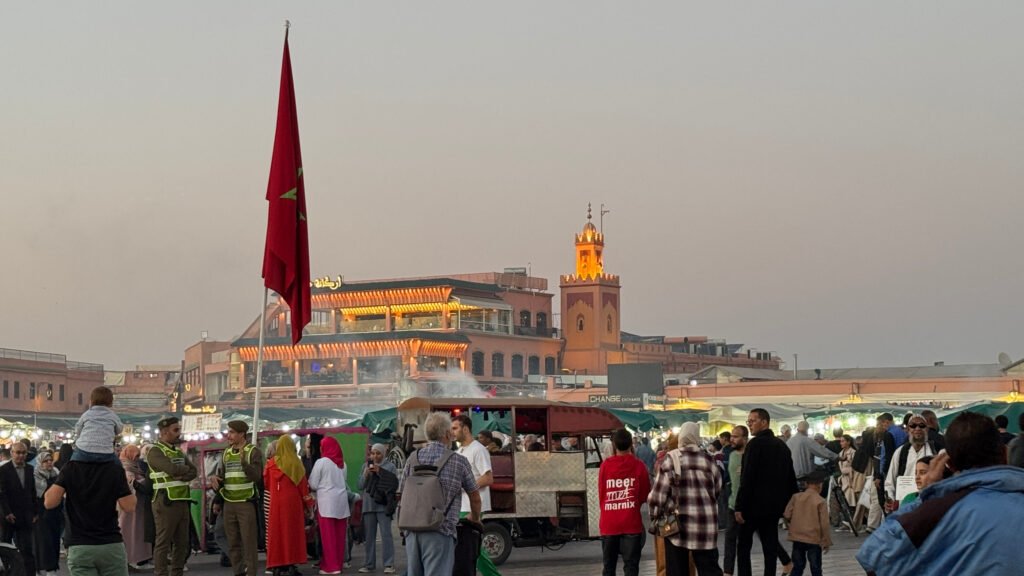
572,559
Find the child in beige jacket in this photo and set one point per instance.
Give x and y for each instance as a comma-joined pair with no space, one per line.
807,514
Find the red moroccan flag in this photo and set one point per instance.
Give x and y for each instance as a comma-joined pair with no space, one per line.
286,259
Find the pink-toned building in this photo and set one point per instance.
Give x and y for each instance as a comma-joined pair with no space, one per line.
371,342
206,367
146,388
39,382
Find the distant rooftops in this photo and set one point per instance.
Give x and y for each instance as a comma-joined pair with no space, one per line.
737,374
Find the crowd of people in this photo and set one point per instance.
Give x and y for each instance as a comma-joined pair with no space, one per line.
926,499
916,490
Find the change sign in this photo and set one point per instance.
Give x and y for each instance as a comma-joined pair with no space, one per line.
627,400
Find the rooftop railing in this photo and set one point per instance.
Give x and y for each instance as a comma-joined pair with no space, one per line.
33,356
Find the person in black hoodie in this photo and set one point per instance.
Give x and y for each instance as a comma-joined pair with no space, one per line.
766,485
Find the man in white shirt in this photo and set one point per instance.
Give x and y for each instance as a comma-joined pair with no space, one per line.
907,455
480,461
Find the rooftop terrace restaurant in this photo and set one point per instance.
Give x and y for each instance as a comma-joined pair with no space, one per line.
374,333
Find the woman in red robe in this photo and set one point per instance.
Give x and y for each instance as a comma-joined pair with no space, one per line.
284,479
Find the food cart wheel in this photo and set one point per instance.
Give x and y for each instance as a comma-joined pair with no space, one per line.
497,542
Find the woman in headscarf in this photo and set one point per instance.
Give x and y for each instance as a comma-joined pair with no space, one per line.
378,507
327,479
691,495
133,524
50,522
284,480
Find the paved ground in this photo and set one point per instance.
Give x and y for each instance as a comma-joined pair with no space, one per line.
575,559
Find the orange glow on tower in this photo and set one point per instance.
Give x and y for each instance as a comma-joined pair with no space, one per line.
589,251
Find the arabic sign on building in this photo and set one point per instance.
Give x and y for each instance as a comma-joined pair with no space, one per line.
200,423
326,282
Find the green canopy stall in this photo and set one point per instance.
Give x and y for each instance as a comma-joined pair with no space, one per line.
673,418
1012,411
642,421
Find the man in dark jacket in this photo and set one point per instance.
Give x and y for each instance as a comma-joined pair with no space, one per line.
934,437
766,484
18,504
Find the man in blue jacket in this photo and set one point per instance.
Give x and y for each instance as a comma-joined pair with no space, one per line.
958,525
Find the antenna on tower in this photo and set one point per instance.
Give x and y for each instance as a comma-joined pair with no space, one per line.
603,212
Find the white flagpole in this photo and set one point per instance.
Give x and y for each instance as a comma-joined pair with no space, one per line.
259,372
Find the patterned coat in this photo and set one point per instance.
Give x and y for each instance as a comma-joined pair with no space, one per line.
691,494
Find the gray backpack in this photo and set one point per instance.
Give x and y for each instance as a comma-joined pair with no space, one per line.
423,507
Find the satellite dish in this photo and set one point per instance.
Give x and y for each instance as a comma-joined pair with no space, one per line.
1004,359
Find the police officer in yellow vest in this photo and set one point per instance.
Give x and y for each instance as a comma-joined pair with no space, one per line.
237,479
170,471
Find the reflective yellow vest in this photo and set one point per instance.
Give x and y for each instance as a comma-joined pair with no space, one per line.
176,489
237,486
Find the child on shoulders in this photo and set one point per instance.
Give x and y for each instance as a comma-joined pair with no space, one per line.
97,429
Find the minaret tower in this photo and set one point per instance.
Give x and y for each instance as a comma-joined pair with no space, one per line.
590,306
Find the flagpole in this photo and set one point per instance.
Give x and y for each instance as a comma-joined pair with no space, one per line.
259,372
263,327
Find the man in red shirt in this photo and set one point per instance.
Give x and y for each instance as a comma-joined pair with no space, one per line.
623,485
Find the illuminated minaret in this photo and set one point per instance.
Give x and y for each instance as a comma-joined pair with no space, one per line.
590,306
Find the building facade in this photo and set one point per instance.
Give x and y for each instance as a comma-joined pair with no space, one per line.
149,387
374,342
370,343
40,382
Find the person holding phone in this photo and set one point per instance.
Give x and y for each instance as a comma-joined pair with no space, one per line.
378,483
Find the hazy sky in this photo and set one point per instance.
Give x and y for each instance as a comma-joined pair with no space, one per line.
841,181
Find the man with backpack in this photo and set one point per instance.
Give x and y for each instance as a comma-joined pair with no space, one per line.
430,491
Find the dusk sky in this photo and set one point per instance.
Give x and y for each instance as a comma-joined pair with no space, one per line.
840,181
